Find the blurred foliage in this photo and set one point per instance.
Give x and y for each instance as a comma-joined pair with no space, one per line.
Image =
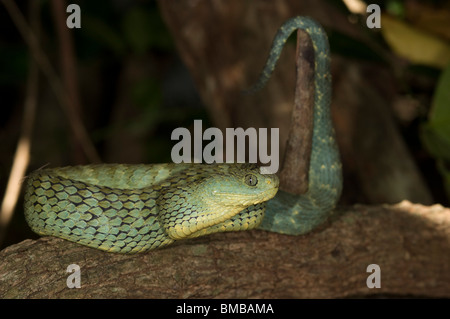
415,44
113,34
395,8
138,30
419,33
341,42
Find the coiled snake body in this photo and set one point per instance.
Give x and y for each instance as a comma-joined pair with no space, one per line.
134,208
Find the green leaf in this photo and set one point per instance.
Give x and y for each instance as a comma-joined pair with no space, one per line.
440,109
445,172
436,132
415,44
437,140
396,8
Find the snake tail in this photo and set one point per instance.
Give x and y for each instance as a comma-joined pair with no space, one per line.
299,214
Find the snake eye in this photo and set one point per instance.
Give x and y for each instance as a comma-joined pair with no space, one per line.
251,180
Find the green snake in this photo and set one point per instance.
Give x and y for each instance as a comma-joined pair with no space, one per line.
128,208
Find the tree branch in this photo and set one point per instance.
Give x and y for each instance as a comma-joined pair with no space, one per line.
295,171
412,252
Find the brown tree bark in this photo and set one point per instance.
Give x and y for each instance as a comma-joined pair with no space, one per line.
410,243
294,173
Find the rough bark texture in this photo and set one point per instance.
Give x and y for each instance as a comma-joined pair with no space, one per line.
410,243
295,171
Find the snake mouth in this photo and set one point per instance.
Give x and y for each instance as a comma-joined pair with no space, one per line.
241,199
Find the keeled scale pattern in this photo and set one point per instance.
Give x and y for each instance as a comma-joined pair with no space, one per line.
99,217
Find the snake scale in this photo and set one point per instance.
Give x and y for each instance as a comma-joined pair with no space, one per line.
128,208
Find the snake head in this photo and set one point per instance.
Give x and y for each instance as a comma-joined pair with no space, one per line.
206,195
239,185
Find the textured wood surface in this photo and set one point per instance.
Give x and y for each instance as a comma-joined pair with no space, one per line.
410,243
